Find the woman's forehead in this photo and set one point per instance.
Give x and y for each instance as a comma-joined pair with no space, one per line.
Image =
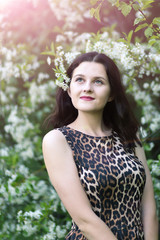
90,68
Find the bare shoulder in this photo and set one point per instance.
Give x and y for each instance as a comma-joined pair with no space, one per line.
54,139
55,146
53,135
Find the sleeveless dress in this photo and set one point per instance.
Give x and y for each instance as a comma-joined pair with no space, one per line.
113,179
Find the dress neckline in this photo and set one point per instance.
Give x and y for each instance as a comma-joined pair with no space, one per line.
110,132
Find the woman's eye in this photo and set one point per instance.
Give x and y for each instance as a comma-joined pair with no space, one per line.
79,80
98,81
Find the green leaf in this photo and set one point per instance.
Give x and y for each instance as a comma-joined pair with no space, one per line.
48,53
92,11
97,16
147,4
116,3
136,6
151,42
122,40
156,21
141,27
93,2
125,8
124,34
127,39
95,12
129,36
138,20
52,47
148,32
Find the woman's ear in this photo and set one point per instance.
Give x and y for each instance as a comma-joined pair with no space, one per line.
110,99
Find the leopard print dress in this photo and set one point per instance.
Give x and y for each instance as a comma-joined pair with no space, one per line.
113,179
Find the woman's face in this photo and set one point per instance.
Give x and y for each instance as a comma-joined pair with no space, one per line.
89,88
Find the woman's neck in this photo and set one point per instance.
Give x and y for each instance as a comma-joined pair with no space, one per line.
90,123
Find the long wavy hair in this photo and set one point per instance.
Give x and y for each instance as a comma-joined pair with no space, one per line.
117,114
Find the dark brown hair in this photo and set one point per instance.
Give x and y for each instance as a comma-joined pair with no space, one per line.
117,114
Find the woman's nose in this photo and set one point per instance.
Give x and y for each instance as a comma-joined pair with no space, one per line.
87,86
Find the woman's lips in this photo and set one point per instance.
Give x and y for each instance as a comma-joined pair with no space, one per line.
86,98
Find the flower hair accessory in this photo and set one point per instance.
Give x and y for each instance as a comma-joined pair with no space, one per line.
61,61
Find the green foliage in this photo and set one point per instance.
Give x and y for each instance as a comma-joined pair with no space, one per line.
141,26
154,166
95,12
127,38
148,32
125,8
50,52
29,204
156,21
142,22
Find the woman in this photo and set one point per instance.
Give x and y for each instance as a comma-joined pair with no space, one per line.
94,158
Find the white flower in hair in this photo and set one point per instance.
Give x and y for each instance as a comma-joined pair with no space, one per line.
61,61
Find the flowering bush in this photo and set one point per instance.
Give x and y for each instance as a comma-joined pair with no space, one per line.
29,206
136,61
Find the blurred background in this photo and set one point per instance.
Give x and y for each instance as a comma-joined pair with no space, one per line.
30,31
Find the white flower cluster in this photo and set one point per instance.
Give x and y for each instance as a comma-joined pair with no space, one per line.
18,193
56,232
72,12
51,234
36,214
29,220
17,113
27,227
10,70
118,51
17,127
62,59
40,93
66,36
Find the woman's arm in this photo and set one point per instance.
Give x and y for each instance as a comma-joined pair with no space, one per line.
150,221
64,177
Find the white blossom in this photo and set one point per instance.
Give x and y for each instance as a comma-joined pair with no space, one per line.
49,61
60,38
36,214
70,56
60,232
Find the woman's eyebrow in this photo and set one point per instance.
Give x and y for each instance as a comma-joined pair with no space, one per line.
95,77
79,75
100,77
